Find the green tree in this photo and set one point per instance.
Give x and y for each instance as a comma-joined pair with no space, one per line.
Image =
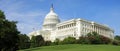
32,41
105,40
2,16
37,41
47,43
117,37
56,42
24,41
94,38
8,34
116,40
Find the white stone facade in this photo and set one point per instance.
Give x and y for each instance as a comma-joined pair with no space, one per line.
80,27
53,28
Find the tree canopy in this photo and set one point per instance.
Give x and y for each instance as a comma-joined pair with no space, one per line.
37,41
8,33
24,41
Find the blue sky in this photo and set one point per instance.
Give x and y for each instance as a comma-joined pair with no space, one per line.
30,13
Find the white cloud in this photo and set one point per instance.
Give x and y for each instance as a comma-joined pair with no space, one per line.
27,20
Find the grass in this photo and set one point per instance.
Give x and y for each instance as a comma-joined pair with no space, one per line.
76,47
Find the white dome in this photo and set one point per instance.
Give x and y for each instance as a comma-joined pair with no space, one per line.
51,13
50,21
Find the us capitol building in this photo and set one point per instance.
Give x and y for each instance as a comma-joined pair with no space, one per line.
52,28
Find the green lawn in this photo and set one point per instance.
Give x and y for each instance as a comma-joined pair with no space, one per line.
76,47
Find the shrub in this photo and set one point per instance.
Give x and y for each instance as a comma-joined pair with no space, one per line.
82,40
56,42
105,40
69,40
37,41
47,43
24,41
115,42
93,38
117,37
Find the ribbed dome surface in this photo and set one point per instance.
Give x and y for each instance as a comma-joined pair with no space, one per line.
50,21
